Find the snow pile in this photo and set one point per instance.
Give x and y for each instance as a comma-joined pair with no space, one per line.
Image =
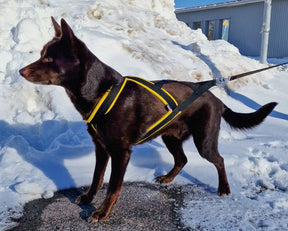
44,145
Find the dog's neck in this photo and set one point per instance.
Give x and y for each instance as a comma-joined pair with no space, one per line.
96,79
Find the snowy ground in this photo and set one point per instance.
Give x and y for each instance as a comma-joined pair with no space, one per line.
44,146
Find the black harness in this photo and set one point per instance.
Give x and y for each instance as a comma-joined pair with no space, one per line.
174,109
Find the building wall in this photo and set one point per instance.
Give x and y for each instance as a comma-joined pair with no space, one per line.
245,26
278,38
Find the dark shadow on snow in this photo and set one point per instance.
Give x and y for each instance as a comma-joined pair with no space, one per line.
254,105
146,156
195,48
47,145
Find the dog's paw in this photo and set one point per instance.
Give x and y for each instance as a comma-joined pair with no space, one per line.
223,190
97,216
84,199
163,179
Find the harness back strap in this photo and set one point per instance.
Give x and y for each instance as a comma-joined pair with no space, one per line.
205,86
157,90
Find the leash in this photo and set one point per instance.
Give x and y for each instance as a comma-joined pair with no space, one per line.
174,109
222,82
253,72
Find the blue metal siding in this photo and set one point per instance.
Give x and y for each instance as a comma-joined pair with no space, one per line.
278,38
246,24
245,28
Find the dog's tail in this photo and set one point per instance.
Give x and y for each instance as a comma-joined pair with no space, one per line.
247,120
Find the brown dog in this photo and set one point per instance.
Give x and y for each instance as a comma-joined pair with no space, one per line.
66,61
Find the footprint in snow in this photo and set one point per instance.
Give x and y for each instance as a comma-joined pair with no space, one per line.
277,144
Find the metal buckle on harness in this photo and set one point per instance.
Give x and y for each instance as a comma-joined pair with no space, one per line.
167,107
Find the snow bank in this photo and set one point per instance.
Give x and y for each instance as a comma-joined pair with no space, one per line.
44,145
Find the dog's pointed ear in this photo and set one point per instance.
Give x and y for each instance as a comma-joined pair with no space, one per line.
57,28
67,32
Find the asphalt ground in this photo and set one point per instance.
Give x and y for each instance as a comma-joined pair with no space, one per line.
141,206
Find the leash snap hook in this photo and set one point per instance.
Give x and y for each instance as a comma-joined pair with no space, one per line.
221,82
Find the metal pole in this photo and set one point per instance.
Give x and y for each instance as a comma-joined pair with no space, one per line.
265,31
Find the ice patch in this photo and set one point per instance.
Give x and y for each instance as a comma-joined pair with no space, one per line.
29,188
48,194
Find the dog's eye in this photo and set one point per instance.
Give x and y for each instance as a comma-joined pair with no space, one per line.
47,60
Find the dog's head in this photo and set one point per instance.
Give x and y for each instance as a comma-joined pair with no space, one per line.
60,58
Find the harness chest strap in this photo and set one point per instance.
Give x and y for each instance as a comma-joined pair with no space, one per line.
110,97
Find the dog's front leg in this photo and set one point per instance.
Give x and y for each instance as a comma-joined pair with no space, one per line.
102,158
119,163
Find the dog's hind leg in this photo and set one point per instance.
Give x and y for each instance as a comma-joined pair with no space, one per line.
174,146
205,133
119,164
102,158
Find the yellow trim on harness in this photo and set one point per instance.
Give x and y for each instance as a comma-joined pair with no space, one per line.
114,101
98,106
159,121
147,88
94,128
159,97
170,96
